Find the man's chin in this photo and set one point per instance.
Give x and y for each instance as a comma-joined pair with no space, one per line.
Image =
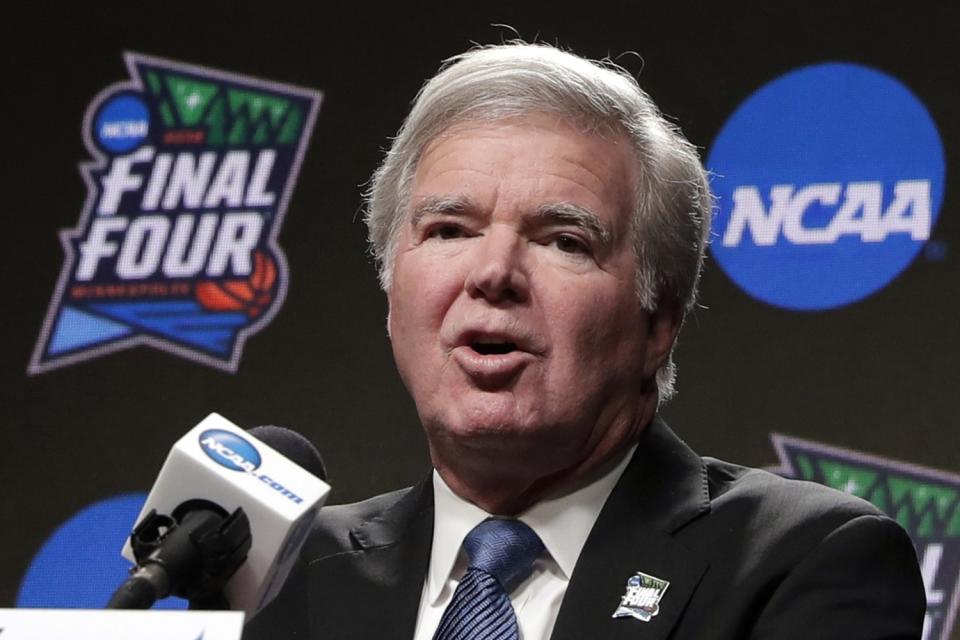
490,431
497,437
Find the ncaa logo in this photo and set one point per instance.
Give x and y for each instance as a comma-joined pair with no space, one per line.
122,123
230,450
828,181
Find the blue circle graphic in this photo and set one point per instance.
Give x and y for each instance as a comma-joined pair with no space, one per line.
122,123
229,450
828,182
80,565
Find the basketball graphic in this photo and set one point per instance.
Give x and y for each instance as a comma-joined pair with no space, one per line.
251,295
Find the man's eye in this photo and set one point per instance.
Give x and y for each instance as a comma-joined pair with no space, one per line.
446,232
571,244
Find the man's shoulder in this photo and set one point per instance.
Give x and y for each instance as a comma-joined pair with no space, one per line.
790,517
735,486
341,532
336,525
783,553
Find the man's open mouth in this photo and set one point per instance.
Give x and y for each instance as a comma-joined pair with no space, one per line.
493,359
493,348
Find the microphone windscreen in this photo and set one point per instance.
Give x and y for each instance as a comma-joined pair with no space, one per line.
292,446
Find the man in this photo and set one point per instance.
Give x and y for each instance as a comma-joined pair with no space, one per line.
540,230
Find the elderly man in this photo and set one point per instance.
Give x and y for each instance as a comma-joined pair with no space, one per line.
540,230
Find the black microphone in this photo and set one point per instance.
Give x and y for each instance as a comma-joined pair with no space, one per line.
292,446
212,479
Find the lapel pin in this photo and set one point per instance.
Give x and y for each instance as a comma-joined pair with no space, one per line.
642,598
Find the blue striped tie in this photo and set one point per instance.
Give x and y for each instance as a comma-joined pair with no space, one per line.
501,556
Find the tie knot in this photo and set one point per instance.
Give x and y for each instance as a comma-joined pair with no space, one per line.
506,549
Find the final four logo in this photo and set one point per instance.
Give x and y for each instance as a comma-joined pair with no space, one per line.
176,246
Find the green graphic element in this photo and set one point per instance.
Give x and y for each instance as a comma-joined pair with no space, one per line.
227,115
928,509
216,124
190,97
258,105
649,582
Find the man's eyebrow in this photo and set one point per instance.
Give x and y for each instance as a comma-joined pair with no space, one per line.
439,206
567,213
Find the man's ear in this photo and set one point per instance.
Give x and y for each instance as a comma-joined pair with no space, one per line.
662,330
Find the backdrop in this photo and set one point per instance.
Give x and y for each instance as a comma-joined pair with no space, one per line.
826,343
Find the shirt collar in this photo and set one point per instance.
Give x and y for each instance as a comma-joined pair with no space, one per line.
562,522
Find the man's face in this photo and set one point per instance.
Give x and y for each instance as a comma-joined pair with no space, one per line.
513,313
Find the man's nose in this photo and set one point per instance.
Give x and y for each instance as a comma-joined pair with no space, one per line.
498,272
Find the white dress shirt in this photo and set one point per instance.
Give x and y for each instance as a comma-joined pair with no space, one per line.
563,524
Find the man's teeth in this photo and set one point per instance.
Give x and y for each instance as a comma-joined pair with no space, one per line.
487,348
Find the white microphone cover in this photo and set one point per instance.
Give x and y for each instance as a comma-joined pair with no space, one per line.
220,462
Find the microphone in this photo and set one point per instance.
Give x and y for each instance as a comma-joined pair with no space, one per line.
292,446
226,518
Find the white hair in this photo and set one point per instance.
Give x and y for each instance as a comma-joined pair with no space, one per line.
671,220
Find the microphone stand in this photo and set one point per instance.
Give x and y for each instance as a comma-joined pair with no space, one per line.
190,553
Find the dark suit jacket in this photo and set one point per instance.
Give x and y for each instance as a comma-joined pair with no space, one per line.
747,555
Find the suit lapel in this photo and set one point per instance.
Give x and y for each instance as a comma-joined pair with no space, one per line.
663,488
374,590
